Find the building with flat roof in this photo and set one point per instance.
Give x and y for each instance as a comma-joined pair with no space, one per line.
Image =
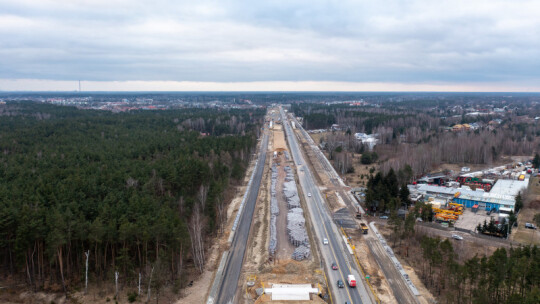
509,186
485,200
503,196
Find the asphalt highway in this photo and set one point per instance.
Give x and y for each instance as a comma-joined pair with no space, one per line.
233,265
401,291
324,227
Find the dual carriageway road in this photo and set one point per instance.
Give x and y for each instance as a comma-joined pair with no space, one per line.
227,289
324,227
400,289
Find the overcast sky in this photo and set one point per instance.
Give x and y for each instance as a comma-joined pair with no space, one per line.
275,45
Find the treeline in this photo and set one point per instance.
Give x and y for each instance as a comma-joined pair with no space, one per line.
365,119
319,120
384,193
507,276
140,192
482,147
414,134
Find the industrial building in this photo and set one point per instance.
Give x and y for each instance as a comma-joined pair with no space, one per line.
501,198
485,200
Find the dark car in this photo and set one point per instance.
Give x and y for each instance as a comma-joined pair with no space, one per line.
334,266
340,284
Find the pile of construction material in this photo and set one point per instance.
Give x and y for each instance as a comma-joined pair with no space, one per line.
290,191
296,226
296,223
274,211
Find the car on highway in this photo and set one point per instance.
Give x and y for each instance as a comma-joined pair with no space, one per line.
383,217
340,284
325,241
334,266
457,237
309,194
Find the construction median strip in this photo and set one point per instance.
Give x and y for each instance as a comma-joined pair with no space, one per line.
360,266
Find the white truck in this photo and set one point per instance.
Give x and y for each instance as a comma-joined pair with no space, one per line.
351,280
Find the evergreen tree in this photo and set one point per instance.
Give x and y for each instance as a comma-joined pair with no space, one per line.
404,195
519,203
536,161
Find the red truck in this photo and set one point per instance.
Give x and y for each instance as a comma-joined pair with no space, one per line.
351,280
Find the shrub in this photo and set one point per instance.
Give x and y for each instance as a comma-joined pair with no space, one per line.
132,297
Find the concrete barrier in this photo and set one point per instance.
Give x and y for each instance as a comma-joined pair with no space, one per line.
347,244
217,279
395,261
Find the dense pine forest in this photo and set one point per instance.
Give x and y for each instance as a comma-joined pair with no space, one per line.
507,276
139,192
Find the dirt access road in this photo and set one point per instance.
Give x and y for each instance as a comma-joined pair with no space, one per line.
257,263
284,248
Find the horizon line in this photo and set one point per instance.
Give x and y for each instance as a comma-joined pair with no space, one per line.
257,91
44,85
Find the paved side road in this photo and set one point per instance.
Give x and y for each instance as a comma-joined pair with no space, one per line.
227,290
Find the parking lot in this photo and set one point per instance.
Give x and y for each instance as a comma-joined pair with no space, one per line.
470,220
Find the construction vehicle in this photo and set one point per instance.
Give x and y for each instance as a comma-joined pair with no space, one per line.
455,205
445,217
451,212
457,208
364,228
351,280
455,213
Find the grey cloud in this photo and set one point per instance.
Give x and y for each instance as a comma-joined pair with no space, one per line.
383,41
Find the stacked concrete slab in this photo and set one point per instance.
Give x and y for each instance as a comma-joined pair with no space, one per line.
296,223
274,211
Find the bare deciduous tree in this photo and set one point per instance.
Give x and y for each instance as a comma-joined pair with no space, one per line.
221,213
202,195
196,225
